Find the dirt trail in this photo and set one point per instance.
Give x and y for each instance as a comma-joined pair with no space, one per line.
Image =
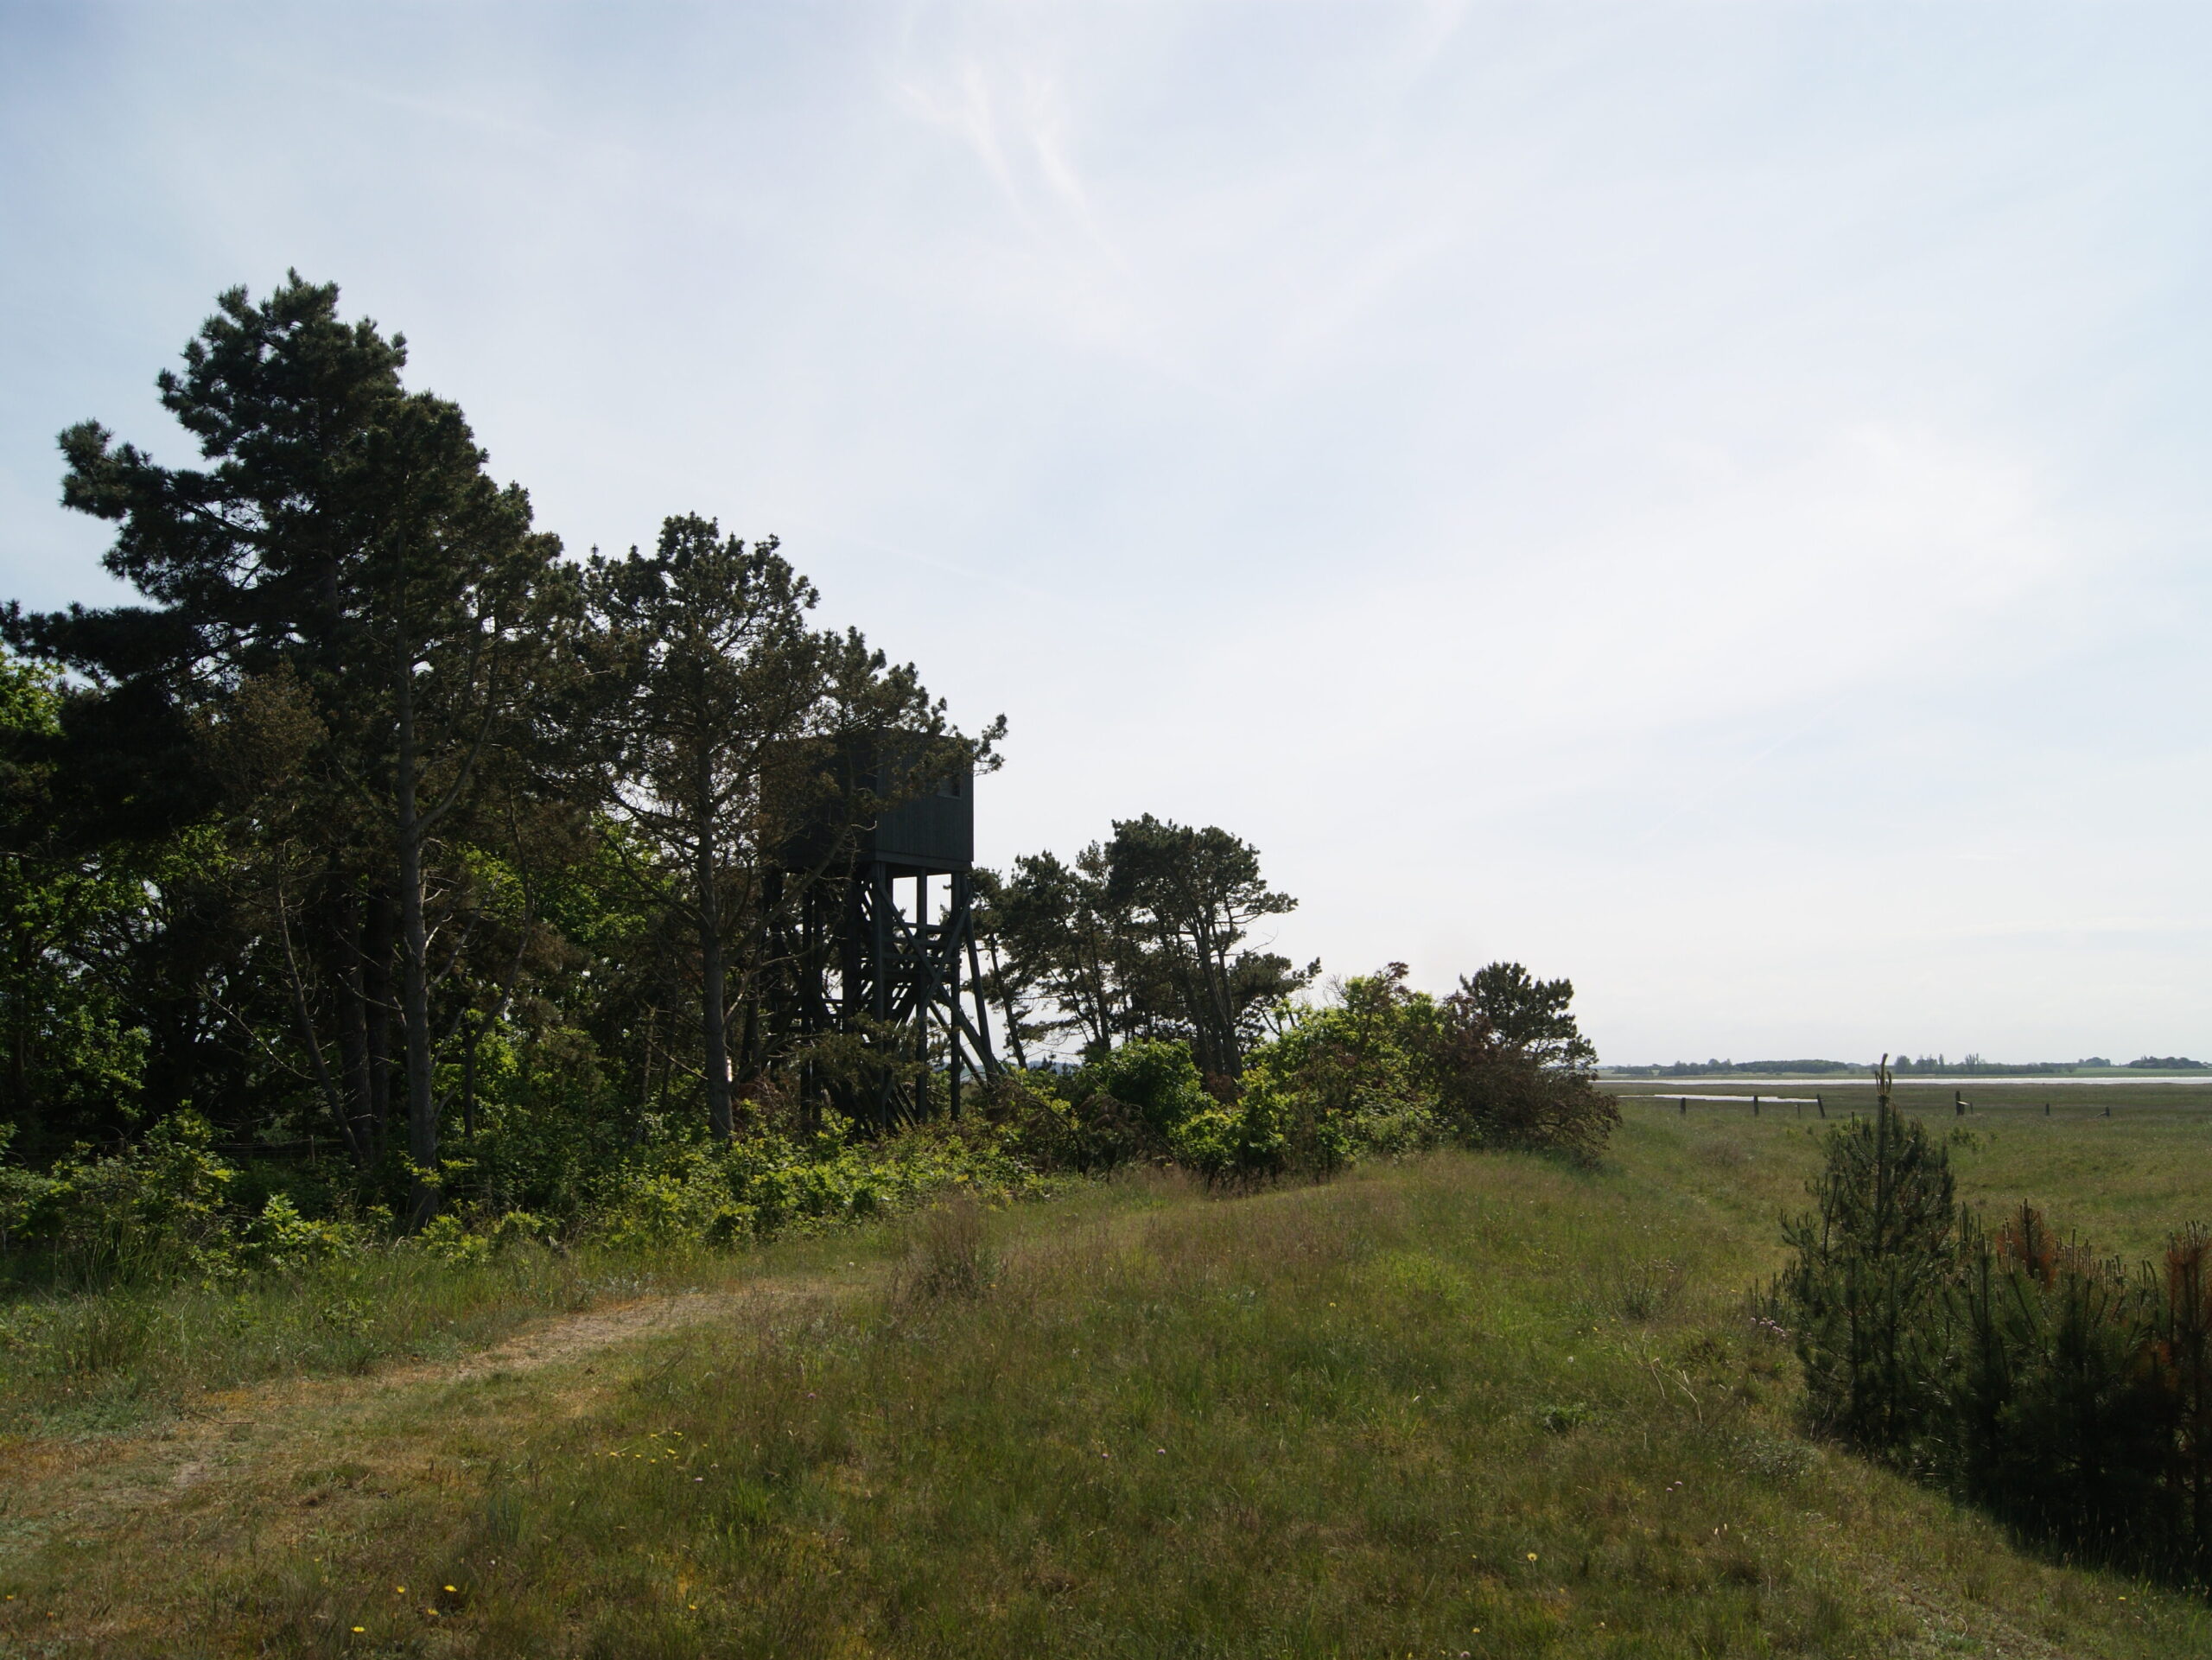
179,1476
572,1335
565,1337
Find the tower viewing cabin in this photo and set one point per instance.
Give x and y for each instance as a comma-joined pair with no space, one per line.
886,952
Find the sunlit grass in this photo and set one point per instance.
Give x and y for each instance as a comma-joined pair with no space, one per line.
1474,1405
119,1357
2123,1182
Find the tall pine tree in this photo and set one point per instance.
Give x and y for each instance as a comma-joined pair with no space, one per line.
344,557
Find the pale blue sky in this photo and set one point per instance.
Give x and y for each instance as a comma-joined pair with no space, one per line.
1709,499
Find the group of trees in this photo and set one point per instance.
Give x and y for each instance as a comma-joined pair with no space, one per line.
2067,1394
1380,1066
374,829
371,775
1373,1066
1140,936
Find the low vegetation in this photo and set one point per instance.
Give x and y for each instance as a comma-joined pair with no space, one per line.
454,1199
1496,1402
2016,1366
140,1271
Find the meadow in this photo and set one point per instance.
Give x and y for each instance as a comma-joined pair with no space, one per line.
1469,1404
2122,1181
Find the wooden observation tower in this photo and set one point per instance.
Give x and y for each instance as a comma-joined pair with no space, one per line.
886,952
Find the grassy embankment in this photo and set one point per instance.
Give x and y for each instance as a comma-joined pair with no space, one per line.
1474,1405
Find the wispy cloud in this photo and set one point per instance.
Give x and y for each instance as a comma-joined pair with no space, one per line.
1643,489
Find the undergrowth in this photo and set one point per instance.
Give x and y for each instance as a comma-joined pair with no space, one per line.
1480,1405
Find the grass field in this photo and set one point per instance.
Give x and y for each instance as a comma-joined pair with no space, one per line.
1467,1406
2123,1182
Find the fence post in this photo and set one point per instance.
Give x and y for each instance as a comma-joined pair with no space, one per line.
1821,1104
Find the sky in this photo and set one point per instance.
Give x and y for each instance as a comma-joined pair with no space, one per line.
1708,500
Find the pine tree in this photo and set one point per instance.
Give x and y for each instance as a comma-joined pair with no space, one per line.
346,553
1871,1260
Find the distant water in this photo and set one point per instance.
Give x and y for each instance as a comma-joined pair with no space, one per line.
1841,1080
1683,1095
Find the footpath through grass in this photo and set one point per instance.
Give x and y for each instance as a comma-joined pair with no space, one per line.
1478,1406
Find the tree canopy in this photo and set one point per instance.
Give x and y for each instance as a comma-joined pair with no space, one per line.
379,843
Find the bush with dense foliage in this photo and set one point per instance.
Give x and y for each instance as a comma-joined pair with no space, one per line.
1380,1068
2067,1395
1870,1266
170,1207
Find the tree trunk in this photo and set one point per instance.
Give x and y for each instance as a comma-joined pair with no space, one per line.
414,967
713,972
354,1045
1213,974
376,1009
24,955
470,1033
331,1088
1100,1020
636,1128
1006,1001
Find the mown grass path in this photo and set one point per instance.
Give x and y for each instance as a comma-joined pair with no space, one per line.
1471,1406
373,1434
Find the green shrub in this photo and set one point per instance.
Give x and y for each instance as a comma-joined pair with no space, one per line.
2026,1372
761,1185
1038,1124
1273,1129
1387,1070
1509,1068
1159,1079
1228,1145
448,1239
281,1238
152,1211
1340,1081
21,1193
1131,1100
1864,1289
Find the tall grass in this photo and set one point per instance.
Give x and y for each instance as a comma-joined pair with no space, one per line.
111,1358
947,1255
1475,1405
